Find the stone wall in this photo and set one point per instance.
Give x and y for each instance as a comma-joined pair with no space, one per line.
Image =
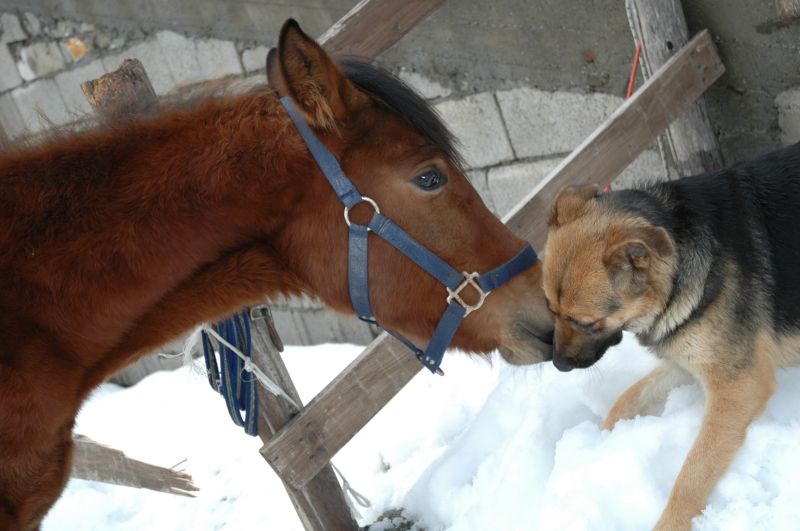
512,131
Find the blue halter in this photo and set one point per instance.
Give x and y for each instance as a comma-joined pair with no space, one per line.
384,227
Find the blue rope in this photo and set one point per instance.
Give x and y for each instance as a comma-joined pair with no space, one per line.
225,375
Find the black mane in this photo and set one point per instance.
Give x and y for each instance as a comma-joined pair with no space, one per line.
402,100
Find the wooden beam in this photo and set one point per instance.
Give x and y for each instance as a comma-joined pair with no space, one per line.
125,92
4,140
320,503
374,25
616,143
787,10
97,462
689,144
340,410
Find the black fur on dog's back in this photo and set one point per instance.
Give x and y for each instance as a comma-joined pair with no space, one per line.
747,216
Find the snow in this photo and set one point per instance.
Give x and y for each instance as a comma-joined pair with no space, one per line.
486,447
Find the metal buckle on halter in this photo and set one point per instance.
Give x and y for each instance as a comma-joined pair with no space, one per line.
469,280
364,199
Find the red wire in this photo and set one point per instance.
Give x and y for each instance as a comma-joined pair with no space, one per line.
634,70
631,82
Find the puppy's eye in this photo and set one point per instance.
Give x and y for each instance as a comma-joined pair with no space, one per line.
430,180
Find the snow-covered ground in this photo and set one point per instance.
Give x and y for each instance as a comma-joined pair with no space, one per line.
487,447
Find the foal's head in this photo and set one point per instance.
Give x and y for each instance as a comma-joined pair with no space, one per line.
396,150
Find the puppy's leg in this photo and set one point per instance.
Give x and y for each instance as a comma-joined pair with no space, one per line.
735,397
648,395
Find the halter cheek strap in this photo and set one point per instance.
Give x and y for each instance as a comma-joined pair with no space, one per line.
358,253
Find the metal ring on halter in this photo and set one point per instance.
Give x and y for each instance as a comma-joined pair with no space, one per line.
363,199
469,280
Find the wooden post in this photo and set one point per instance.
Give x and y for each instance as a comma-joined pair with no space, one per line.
787,10
374,25
689,144
320,503
97,462
340,410
124,92
3,139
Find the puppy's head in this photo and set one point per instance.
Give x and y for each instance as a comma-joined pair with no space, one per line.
604,270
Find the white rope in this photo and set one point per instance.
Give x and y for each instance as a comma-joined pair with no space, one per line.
254,369
352,495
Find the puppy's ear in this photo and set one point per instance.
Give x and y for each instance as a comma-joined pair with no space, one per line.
630,252
570,203
319,89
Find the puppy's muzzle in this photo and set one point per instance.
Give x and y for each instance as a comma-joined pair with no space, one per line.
583,353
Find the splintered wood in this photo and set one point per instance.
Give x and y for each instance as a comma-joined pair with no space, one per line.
97,462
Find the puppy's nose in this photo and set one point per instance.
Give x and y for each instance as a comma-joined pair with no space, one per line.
562,363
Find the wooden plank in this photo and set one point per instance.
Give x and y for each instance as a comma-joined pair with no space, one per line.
4,141
340,410
320,503
786,10
374,25
689,144
616,143
125,92
97,462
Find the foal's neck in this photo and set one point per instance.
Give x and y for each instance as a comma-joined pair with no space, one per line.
100,227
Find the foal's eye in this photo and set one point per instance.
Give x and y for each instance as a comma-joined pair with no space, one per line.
430,180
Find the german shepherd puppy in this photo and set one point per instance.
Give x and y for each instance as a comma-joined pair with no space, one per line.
706,272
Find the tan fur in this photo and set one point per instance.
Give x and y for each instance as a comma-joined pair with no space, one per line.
736,368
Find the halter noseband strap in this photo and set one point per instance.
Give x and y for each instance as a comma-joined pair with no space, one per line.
385,228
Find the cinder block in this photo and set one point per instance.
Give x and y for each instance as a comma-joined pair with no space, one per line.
510,184
322,326
9,77
788,104
301,302
547,123
352,330
40,59
255,59
180,56
69,84
11,29
32,24
10,117
428,88
41,106
217,59
476,122
648,167
154,61
291,332
478,180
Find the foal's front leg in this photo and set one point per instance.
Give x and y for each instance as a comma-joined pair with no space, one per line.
735,397
647,395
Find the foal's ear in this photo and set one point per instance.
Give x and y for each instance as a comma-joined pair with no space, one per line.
570,203
307,74
274,76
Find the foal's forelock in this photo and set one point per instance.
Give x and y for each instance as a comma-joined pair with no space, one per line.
401,100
